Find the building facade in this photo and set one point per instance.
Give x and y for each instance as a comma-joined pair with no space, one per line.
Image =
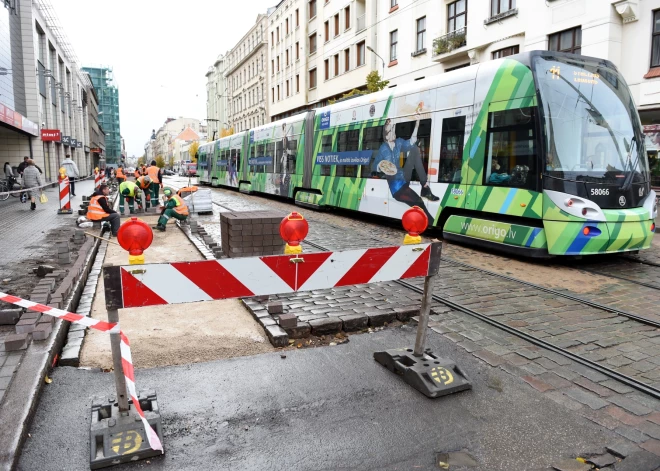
108,94
246,78
96,145
318,52
163,141
216,98
43,94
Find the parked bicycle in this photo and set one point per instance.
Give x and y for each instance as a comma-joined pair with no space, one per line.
8,185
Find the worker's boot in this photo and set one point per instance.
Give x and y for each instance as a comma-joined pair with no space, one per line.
161,227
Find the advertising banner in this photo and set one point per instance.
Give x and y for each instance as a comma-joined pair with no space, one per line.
260,160
52,135
357,157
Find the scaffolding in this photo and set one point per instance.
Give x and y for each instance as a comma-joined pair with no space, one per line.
108,96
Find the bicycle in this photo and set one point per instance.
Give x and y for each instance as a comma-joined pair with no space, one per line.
10,185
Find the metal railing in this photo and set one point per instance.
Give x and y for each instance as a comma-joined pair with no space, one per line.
450,41
361,23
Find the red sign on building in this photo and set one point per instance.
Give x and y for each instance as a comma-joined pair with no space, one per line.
51,135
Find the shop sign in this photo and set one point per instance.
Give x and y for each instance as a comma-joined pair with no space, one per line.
66,140
79,145
53,135
74,142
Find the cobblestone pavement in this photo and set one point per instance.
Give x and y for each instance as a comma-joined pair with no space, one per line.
611,340
25,241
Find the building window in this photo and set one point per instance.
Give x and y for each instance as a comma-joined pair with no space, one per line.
507,51
347,18
326,69
278,33
393,3
360,54
347,60
421,33
655,45
278,63
272,66
336,64
312,78
312,8
326,27
569,40
336,25
312,43
272,38
278,93
272,92
297,50
287,88
501,6
462,66
286,24
456,15
297,83
393,41
297,18
287,57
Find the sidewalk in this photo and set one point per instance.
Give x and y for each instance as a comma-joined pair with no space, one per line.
27,240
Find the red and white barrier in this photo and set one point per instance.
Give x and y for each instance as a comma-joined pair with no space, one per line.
65,203
102,326
184,282
97,180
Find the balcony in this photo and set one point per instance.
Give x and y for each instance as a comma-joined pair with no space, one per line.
450,45
361,23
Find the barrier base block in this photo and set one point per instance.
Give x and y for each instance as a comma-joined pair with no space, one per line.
65,211
429,374
116,438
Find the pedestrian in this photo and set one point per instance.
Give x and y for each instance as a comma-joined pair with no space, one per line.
99,209
71,170
32,183
144,183
156,176
23,165
108,173
129,191
9,173
121,177
174,207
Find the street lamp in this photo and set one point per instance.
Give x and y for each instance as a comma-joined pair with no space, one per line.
383,60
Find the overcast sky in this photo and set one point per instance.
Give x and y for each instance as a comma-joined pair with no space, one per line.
159,51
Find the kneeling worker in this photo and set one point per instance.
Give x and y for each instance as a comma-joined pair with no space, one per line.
174,207
144,184
99,209
130,192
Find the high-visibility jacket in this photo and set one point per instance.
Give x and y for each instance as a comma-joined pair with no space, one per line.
120,174
137,173
141,183
181,207
152,171
94,211
131,186
143,170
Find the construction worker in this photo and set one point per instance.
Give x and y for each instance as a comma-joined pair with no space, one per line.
144,184
174,207
156,176
99,209
131,192
143,170
120,176
137,173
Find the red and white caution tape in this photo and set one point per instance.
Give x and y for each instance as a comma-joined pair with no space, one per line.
102,326
23,190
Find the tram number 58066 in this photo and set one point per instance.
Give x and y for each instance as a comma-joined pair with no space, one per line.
600,192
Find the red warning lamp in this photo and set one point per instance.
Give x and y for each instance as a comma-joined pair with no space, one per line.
293,230
135,236
414,222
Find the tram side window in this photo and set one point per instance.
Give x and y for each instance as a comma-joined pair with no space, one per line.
326,146
270,152
451,149
416,160
259,153
511,148
279,156
371,140
348,141
292,153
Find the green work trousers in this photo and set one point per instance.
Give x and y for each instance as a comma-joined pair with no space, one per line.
155,191
170,213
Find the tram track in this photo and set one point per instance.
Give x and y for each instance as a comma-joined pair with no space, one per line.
532,339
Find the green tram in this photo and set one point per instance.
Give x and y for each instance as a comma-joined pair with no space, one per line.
540,154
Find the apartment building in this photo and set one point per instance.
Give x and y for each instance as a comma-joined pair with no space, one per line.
318,52
246,78
216,97
162,141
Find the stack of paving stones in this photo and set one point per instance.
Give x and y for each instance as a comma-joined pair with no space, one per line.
251,233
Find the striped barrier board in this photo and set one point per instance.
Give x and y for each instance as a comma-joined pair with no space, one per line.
185,282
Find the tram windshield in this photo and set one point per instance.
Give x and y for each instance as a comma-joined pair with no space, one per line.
592,127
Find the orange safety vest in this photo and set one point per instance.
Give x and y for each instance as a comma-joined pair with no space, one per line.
94,211
120,173
141,183
137,173
180,207
152,171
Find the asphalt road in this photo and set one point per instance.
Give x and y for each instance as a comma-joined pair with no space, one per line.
319,409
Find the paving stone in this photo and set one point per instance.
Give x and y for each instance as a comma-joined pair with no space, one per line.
489,357
537,383
630,405
354,322
639,461
329,325
275,307
26,326
593,387
585,398
651,429
555,381
9,316
277,336
599,417
600,461
623,416
616,386
301,330
631,434
380,318
564,400
404,314
14,342
534,369
42,331
287,321
529,354
622,449
652,445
